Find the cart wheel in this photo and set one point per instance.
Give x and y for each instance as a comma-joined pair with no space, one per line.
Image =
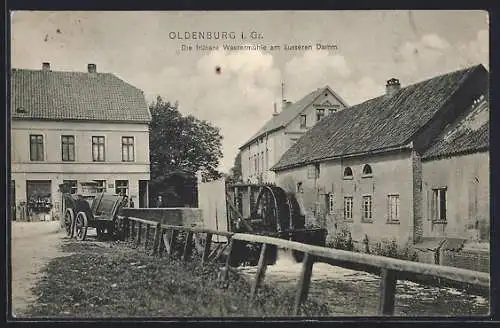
81,226
69,222
100,233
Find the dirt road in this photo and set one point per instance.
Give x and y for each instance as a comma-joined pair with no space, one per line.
34,244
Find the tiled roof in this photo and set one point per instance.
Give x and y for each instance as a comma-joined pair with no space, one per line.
56,95
468,134
288,114
381,123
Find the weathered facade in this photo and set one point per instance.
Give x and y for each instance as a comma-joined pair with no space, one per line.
76,127
455,175
265,148
369,168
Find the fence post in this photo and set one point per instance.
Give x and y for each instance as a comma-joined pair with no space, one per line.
261,270
172,243
224,278
156,241
304,282
132,230
188,246
139,233
387,292
146,237
161,247
206,250
124,222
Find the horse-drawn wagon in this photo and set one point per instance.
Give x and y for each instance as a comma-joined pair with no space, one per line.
91,210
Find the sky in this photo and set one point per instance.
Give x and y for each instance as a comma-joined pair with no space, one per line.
142,48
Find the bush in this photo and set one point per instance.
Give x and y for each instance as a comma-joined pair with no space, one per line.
390,248
342,240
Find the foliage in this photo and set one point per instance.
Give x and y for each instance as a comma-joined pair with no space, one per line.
390,248
100,281
342,240
180,146
235,175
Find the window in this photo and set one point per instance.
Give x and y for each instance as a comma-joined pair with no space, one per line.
303,121
313,171
121,187
127,149
320,113
393,208
332,110
68,148
348,208
367,171
348,173
101,185
36,147
439,204
98,149
331,204
71,185
367,208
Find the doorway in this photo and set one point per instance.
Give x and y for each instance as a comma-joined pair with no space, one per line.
143,193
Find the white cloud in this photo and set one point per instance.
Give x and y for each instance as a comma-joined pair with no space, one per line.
312,70
316,69
433,41
432,55
238,101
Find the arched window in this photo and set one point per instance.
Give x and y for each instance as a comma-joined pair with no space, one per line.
367,170
348,173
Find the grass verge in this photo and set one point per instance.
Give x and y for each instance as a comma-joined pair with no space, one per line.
102,280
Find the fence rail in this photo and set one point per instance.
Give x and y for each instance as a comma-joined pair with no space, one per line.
390,270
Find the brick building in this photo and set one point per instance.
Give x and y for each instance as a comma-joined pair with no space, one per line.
268,144
389,168
74,128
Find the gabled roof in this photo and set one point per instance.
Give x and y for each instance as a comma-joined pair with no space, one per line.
382,123
288,114
55,95
468,134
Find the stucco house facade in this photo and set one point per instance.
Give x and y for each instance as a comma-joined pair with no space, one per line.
77,127
373,168
455,178
267,145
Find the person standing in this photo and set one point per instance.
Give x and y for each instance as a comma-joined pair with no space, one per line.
159,202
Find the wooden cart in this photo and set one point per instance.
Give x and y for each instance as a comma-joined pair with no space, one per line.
101,214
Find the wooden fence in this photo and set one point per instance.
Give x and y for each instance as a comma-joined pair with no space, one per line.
390,270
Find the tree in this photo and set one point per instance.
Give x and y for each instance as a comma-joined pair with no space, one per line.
235,174
179,147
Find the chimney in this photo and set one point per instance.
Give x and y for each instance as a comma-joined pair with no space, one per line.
91,68
286,103
45,67
275,110
392,87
